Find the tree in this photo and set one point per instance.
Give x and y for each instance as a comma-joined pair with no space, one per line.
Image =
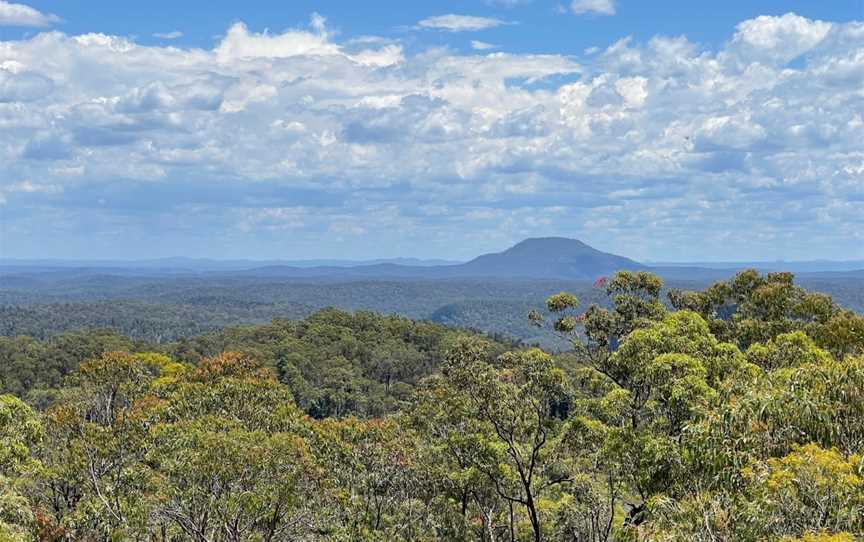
810,494
230,453
376,488
20,431
809,489
222,481
512,411
635,304
94,482
751,308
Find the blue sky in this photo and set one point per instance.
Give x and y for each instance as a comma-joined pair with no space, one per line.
659,130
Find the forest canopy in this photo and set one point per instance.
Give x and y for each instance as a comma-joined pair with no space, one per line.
733,413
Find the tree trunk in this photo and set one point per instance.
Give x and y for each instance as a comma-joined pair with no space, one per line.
535,520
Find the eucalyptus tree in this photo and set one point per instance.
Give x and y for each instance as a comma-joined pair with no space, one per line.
500,420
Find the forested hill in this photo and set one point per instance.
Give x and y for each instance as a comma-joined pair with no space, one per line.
336,362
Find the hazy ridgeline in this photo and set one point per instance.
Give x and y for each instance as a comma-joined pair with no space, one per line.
165,300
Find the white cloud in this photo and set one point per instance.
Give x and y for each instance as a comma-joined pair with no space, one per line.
23,15
239,43
460,23
173,35
779,38
274,219
29,187
387,55
598,7
22,85
663,141
482,45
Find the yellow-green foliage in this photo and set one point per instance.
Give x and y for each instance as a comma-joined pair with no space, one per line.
809,487
787,350
821,537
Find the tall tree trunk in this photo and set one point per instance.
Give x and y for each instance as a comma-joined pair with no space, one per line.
535,519
512,527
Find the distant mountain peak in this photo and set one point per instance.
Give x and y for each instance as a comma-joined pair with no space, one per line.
550,239
550,257
549,243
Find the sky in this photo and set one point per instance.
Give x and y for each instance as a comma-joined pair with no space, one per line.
663,130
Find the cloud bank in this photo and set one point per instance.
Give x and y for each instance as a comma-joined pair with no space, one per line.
296,144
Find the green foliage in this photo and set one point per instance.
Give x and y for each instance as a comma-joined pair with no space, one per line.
752,308
809,488
561,301
498,422
810,494
19,431
221,480
28,364
738,416
337,363
787,350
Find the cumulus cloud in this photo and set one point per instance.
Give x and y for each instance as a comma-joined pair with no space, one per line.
239,43
23,15
21,85
459,23
779,38
598,7
296,135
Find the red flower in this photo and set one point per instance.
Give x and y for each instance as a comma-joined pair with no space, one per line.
599,283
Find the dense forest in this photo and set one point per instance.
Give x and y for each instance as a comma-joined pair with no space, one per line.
162,309
729,413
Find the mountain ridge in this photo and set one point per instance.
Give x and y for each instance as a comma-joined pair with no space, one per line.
531,258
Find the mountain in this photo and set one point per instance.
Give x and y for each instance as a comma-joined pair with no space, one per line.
555,258
550,258
538,258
